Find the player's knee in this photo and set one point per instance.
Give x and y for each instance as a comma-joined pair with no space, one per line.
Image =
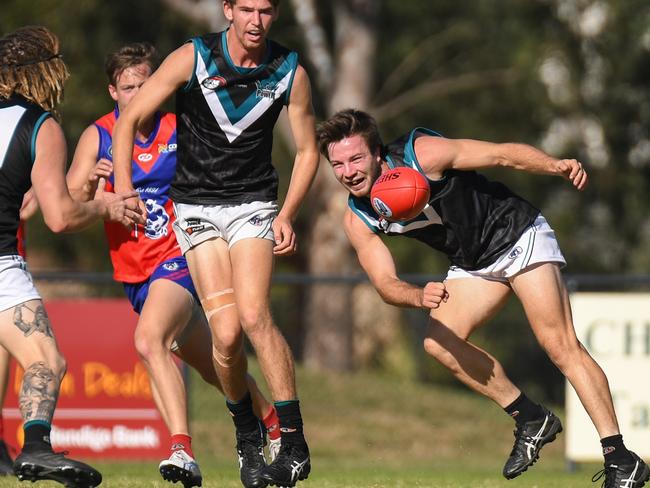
227,339
147,347
436,350
433,348
255,320
59,366
564,353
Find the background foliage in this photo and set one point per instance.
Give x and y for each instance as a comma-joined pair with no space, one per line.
570,76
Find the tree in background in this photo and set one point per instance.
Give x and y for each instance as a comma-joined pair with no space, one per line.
569,75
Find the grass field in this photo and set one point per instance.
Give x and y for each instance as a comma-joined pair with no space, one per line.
366,430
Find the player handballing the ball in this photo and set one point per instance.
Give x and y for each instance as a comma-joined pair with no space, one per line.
497,243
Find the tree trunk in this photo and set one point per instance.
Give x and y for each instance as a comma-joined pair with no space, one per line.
329,319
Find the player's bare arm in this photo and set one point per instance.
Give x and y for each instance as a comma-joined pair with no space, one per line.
85,171
437,154
173,73
60,211
303,127
378,263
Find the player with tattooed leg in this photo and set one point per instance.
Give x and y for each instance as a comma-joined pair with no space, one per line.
33,154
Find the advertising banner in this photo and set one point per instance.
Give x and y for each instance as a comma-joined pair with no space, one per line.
105,408
615,329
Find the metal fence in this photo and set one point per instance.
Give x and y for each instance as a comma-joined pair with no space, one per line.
575,282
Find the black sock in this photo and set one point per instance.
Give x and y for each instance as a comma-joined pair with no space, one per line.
524,410
37,436
615,451
242,414
290,422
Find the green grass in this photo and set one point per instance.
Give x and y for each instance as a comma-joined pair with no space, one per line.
367,430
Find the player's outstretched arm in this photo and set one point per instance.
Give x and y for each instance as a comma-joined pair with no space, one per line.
174,72
437,154
303,128
60,212
378,263
85,171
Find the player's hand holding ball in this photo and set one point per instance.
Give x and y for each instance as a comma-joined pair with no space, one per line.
400,194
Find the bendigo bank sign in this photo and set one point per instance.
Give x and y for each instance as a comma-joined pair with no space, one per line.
105,407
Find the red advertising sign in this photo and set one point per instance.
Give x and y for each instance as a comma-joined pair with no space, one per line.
105,408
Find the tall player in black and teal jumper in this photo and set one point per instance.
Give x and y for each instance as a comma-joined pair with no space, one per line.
230,88
496,243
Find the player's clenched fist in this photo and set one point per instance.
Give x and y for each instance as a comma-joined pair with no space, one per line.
573,171
433,294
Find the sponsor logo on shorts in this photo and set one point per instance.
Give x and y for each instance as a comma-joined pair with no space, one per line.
194,226
515,252
171,266
214,82
257,220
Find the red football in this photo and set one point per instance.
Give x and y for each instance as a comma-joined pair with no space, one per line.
400,194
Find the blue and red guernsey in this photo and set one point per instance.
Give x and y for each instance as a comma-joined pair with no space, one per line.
20,237
136,253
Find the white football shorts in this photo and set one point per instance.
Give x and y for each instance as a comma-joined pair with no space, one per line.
16,284
198,223
536,245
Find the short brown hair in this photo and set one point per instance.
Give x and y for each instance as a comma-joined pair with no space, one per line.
128,56
31,66
275,3
348,123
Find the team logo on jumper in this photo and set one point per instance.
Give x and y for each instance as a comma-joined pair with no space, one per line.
157,220
166,148
145,157
383,209
110,150
266,89
515,252
171,266
214,82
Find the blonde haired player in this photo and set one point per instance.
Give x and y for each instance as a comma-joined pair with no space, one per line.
33,154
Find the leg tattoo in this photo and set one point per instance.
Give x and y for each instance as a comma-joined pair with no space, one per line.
39,393
38,322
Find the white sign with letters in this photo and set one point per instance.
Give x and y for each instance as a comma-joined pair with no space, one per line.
615,329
